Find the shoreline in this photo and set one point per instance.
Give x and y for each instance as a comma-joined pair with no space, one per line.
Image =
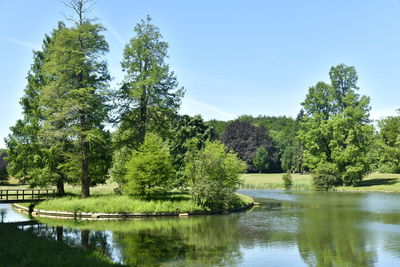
118,216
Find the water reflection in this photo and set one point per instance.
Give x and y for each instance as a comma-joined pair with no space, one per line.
3,213
334,237
288,229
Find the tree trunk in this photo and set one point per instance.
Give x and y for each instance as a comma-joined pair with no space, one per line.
143,117
60,186
85,179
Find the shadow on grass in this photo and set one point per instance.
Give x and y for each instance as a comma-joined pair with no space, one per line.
380,181
12,185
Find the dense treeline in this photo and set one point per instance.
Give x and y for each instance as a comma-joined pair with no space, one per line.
68,101
277,134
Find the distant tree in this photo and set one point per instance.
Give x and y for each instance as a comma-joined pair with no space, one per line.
260,159
149,97
186,128
336,130
389,144
292,158
244,139
218,126
214,176
149,170
74,102
3,166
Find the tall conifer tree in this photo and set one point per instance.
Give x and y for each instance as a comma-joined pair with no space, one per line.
74,100
32,159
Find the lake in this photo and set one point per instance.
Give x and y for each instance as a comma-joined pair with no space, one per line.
288,229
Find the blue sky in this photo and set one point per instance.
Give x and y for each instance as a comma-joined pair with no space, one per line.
233,57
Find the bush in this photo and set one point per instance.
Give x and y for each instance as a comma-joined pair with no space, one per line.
324,178
214,176
287,181
149,169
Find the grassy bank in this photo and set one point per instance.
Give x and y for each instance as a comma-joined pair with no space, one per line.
379,182
172,202
274,181
19,248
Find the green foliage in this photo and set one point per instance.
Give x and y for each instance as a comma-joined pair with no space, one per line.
74,99
287,180
149,169
336,128
261,159
31,157
218,126
3,166
149,97
325,177
188,128
292,158
389,144
214,176
119,170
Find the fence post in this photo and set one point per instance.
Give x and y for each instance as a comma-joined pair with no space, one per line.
6,194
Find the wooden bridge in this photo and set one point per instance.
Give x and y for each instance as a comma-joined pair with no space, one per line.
25,195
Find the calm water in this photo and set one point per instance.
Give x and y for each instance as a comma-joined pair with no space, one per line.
288,229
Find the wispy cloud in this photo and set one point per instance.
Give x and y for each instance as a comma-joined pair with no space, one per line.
114,33
210,108
19,42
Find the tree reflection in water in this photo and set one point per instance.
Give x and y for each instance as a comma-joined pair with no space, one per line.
316,229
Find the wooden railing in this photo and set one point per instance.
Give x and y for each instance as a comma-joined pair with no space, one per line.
25,195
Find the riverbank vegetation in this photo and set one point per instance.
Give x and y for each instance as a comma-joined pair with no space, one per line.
22,248
374,182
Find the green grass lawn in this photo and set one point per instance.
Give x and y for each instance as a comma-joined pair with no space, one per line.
274,181
170,202
377,182
374,182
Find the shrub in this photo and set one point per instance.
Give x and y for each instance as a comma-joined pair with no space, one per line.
214,176
287,181
325,177
149,169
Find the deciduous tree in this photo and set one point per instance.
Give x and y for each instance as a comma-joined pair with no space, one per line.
214,176
336,130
